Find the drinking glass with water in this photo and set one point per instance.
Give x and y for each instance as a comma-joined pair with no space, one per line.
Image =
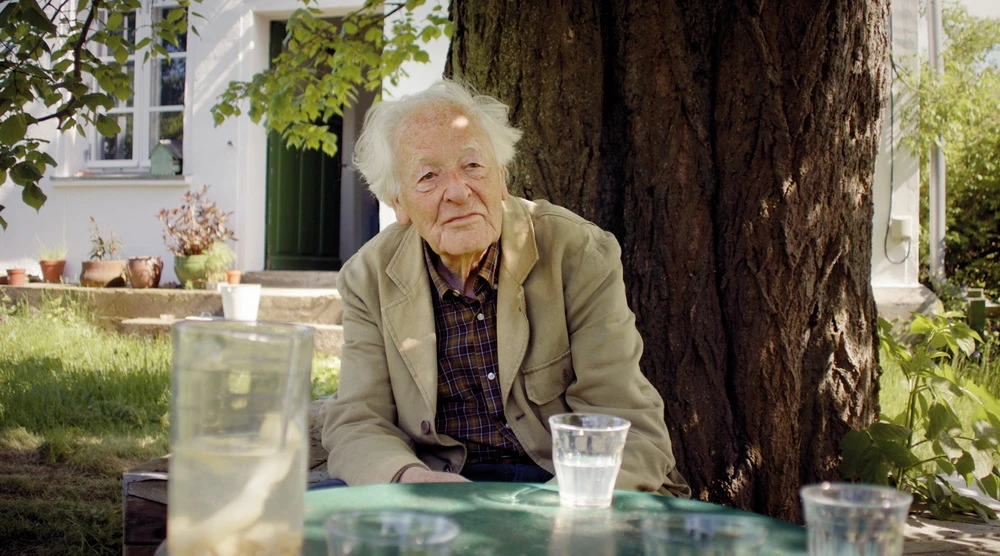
587,453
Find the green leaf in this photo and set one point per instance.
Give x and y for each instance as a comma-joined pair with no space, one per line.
33,14
121,55
33,196
114,21
942,420
106,126
25,174
983,462
990,485
965,466
13,129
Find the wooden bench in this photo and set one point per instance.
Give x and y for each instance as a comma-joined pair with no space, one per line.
144,494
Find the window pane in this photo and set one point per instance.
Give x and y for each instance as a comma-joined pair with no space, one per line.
118,147
160,14
168,82
165,125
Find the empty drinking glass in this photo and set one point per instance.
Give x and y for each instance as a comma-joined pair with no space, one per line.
389,533
702,535
855,520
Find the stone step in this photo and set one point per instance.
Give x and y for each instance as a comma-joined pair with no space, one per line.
322,279
328,340
309,306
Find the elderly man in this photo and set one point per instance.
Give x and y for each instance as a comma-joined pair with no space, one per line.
479,315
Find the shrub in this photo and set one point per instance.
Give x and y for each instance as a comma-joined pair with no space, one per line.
947,425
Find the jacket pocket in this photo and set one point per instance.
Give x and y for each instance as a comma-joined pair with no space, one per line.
546,386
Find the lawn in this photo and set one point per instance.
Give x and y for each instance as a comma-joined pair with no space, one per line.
78,406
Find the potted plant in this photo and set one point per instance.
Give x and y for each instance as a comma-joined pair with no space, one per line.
102,270
145,272
218,258
17,276
52,259
190,230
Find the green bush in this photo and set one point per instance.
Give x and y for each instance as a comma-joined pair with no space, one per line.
936,421
961,112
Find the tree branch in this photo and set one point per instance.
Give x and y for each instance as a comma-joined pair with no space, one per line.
77,70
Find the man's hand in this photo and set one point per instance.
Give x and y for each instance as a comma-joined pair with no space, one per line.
421,475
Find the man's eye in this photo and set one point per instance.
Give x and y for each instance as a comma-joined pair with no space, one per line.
427,176
473,165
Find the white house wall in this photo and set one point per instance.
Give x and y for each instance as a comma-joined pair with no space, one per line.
231,158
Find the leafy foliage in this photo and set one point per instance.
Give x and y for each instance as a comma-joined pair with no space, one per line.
195,226
927,440
51,70
218,258
102,247
961,113
323,66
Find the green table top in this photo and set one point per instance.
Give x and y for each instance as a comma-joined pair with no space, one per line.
520,518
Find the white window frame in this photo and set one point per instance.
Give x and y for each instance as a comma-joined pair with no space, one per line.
142,102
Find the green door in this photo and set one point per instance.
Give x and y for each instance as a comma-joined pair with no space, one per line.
303,198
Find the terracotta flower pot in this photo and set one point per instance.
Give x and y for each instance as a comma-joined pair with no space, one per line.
144,272
100,274
17,276
52,270
233,276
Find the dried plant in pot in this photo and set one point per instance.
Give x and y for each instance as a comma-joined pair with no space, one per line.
103,270
190,230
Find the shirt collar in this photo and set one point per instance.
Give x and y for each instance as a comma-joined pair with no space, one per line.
489,270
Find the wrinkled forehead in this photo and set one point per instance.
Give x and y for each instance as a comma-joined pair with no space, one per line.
434,127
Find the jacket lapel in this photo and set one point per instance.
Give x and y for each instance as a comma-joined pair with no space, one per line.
409,317
518,255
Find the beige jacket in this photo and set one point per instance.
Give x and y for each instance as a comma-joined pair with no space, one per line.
567,343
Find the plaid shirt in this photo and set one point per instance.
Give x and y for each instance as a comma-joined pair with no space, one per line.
469,404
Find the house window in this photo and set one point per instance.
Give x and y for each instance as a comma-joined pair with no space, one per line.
155,111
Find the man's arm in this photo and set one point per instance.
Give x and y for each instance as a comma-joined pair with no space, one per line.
360,429
606,349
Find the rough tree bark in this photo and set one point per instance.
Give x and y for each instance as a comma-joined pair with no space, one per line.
730,146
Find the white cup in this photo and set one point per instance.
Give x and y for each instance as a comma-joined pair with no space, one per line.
240,301
587,453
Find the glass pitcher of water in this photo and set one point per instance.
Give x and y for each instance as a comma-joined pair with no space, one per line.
239,437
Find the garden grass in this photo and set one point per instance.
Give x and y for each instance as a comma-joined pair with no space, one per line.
79,406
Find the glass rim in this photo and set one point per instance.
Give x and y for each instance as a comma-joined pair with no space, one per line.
340,522
615,423
818,494
269,329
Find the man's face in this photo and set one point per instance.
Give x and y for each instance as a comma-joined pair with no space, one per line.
451,185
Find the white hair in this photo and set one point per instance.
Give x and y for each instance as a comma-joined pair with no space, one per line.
374,151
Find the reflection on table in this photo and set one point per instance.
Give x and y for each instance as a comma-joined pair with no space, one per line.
516,518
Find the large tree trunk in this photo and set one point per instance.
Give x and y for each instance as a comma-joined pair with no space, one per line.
730,146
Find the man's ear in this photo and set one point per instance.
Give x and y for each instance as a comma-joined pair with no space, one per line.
401,215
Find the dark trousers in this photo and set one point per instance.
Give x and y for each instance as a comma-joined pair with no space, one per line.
480,472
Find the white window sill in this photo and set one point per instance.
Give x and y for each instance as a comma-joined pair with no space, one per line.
120,180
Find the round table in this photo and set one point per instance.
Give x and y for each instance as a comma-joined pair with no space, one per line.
520,518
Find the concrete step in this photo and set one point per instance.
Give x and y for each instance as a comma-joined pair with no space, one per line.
309,306
292,278
328,340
